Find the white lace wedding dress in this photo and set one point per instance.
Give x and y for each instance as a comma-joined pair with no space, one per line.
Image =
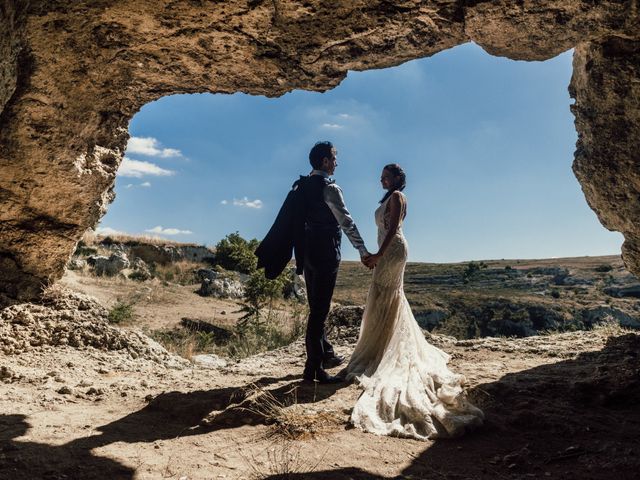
408,389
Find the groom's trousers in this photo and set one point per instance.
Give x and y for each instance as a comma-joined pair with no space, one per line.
320,279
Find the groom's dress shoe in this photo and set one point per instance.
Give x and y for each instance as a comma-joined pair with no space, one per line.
332,361
321,376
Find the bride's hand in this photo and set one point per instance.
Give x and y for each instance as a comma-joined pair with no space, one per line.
372,260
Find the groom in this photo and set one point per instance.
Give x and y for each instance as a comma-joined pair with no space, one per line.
325,215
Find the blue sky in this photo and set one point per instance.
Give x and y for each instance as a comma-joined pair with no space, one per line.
487,144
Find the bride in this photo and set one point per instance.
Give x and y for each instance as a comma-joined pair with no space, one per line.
408,389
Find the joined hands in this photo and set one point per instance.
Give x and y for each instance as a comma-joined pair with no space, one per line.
370,260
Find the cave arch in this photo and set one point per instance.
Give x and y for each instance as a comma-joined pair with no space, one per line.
72,76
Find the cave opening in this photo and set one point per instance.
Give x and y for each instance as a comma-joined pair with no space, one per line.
487,144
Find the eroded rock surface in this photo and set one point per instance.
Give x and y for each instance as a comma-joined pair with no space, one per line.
71,319
72,74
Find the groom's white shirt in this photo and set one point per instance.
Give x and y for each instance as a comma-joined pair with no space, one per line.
335,201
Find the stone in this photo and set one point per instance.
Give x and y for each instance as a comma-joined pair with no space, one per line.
206,273
605,314
209,361
111,265
221,288
296,287
430,319
141,271
7,375
73,74
343,322
620,292
76,264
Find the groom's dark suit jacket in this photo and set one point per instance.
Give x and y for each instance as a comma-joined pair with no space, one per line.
285,235
304,225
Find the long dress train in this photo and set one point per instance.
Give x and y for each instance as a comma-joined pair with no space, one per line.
408,389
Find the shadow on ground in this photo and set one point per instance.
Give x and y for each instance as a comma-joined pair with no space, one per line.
168,415
575,419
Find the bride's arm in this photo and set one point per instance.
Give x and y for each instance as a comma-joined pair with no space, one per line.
395,211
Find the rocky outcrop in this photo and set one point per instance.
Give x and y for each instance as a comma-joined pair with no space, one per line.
111,265
163,254
71,319
606,86
72,74
12,16
221,288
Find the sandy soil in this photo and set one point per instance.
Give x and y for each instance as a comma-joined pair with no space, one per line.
563,406
155,304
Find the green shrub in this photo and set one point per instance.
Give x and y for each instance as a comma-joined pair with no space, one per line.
261,337
235,253
471,270
260,292
120,312
603,268
254,338
555,293
205,340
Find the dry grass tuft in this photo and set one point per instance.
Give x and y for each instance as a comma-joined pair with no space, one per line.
289,423
182,272
179,341
610,329
284,459
90,237
55,292
287,418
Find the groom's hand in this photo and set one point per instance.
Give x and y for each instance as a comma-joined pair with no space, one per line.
364,259
372,260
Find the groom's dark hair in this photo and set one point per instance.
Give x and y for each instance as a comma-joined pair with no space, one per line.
319,152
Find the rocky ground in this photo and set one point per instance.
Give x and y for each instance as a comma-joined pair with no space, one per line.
82,399
511,297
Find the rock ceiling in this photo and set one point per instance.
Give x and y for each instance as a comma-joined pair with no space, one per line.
72,75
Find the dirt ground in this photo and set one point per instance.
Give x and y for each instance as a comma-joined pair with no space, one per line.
560,406
156,305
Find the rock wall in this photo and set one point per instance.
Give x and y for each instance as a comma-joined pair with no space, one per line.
606,86
83,68
11,29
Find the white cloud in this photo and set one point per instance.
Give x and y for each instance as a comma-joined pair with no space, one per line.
344,115
128,185
168,231
331,125
140,168
245,202
223,202
145,184
151,147
109,231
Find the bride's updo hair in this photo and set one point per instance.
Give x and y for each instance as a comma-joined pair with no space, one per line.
400,179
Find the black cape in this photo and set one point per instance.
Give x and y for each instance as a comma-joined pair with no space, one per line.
285,236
